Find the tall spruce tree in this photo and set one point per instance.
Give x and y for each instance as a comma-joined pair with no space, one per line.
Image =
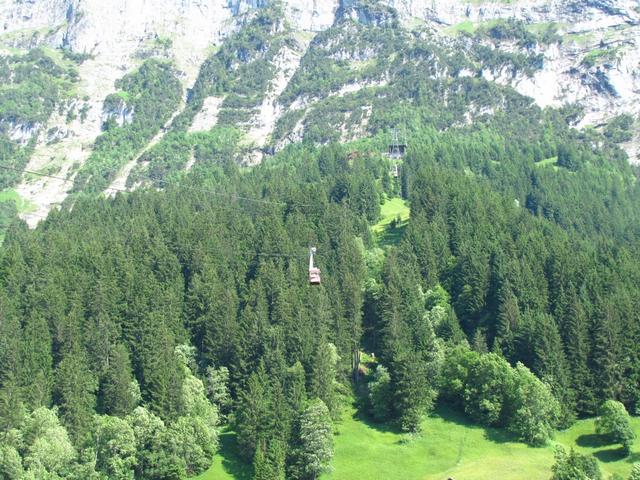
75,388
254,417
119,391
323,376
36,373
315,441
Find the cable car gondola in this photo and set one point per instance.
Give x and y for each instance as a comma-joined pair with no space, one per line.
314,273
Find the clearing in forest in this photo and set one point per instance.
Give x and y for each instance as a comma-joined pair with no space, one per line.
394,216
449,446
22,205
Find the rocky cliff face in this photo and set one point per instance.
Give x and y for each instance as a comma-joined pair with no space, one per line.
592,13
595,62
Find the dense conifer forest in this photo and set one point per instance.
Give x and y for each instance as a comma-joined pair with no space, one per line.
133,328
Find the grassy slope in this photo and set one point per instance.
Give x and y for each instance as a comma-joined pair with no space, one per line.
391,209
582,437
22,205
547,161
227,464
449,446
452,447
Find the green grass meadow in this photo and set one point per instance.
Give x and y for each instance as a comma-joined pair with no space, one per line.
392,209
547,161
448,447
582,437
22,205
227,464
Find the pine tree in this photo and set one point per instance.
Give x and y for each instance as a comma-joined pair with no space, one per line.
380,394
350,272
472,277
161,372
102,335
294,387
261,467
12,409
36,373
118,390
423,248
507,321
254,415
76,393
269,461
605,360
315,448
413,397
545,357
576,342
213,316
9,341
323,378
479,341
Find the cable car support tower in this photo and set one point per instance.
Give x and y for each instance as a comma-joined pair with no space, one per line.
396,153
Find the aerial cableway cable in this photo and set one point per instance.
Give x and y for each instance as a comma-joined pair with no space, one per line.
314,272
231,196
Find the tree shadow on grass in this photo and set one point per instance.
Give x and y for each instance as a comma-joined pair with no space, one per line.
633,458
392,235
610,455
450,414
232,462
592,440
385,427
496,435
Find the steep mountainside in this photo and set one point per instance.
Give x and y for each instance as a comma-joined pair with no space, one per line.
315,71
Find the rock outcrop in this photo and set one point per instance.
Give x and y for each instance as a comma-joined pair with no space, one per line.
596,64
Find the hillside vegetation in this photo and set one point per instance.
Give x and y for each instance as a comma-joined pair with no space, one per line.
230,280
450,446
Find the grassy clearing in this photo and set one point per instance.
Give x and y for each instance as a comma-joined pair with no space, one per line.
394,216
23,206
600,55
359,66
581,39
583,438
548,162
470,27
464,27
539,28
449,446
390,210
57,56
227,464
